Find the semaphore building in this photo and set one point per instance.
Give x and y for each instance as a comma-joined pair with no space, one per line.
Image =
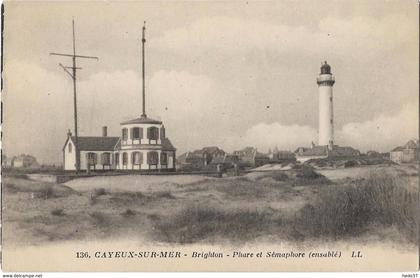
142,145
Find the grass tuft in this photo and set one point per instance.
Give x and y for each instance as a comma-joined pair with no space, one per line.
197,223
58,212
163,195
99,219
348,210
128,213
46,193
99,192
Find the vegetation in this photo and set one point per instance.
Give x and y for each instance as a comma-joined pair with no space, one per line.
349,210
338,212
99,192
128,213
57,212
297,205
198,223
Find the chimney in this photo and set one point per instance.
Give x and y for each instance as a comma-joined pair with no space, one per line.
104,131
69,133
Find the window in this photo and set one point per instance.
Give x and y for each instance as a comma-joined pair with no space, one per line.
91,157
152,133
125,159
106,159
135,133
152,158
163,158
137,158
70,147
117,158
124,134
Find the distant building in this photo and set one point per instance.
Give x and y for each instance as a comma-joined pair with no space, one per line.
228,160
246,155
5,161
199,159
23,161
280,156
373,154
317,152
249,156
407,153
142,146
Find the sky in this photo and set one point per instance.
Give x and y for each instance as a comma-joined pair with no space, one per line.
228,74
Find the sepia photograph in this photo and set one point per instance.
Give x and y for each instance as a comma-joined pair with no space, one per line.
210,136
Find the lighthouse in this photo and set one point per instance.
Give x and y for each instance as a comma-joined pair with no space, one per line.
325,83
326,147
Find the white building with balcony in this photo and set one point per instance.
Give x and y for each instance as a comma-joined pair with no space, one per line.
143,145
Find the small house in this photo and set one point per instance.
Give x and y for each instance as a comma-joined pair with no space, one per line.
406,154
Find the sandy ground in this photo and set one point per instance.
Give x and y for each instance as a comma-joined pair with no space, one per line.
410,173
134,183
51,216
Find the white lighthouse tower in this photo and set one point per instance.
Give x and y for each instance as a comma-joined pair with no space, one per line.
325,82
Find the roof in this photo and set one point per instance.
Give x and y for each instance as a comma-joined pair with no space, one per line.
227,158
248,151
95,143
212,149
182,157
325,68
142,120
167,145
314,151
190,156
412,144
398,149
118,144
343,151
323,151
209,150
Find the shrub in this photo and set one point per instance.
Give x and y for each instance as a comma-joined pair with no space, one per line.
308,172
99,219
279,176
11,187
128,213
21,176
350,163
197,223
46,193
242,188
163,194
275,175
99,192
348,210
57,212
